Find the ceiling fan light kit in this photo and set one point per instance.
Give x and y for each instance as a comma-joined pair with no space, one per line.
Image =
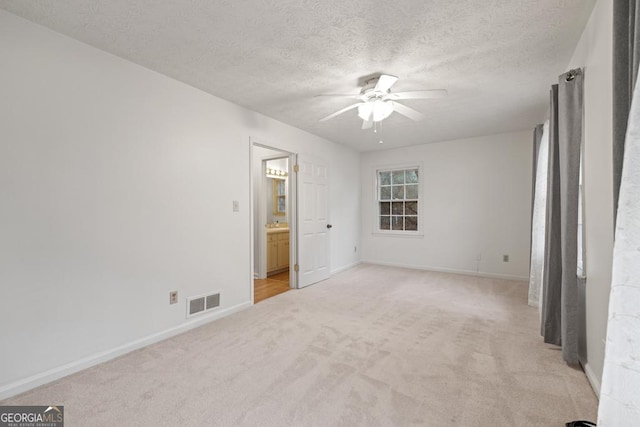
377,102
375,111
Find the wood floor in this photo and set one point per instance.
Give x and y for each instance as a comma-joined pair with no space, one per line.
271,286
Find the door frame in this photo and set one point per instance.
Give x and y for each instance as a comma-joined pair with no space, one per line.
259,213
262,210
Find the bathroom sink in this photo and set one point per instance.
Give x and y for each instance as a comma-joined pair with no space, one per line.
277,230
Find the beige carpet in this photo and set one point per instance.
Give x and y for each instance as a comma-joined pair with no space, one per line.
373,346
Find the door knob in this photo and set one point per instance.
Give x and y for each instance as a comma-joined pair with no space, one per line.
329,225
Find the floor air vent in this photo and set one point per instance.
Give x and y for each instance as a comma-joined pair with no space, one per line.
201,304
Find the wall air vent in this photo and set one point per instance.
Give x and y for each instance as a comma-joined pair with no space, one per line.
196,305
213,301
202,304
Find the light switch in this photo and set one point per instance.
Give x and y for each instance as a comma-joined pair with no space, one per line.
236,206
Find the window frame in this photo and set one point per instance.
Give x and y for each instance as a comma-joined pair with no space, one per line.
419,233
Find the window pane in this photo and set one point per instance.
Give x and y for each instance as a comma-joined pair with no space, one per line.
411,223
412,191
397,208
385,193
385,178
385,208
385,222
398,192
398,177
397,223
412,176
411,208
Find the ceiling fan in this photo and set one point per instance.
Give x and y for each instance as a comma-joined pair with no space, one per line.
377,102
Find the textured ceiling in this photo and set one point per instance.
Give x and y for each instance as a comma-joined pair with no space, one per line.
497,58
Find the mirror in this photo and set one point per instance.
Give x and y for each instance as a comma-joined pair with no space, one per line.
277,186
279,197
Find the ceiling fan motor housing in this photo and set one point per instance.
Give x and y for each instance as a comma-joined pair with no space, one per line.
369,92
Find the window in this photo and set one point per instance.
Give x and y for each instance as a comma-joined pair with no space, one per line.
397,196
582,267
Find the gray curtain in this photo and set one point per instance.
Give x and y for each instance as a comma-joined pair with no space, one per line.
626,60
570,141
560,320
552,278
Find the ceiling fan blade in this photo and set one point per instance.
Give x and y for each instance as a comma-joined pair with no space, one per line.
366,124
337,113
409,112
385,82
338,95
420,94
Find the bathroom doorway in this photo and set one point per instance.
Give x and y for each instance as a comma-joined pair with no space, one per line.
274,214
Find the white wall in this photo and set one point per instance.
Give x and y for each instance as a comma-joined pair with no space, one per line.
594,52
476,199
116,187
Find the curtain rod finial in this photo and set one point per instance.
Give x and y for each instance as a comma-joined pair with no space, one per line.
570,75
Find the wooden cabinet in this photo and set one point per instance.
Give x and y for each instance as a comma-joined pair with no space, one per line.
283,250
272,252
277,250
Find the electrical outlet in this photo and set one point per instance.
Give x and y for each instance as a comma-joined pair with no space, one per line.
505,258
236,206
173,297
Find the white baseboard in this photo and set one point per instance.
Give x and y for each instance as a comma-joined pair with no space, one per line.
36,380
452,271
346,267
593,380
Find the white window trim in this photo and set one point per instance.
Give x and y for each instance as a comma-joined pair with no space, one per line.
375,206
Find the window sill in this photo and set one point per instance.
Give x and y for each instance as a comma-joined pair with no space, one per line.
411,235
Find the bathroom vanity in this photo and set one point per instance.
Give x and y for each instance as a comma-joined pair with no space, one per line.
277,250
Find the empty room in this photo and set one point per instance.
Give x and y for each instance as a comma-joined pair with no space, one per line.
297,213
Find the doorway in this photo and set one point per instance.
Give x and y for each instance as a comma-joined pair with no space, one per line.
273,222
306,213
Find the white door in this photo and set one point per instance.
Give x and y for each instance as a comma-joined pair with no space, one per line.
313,221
